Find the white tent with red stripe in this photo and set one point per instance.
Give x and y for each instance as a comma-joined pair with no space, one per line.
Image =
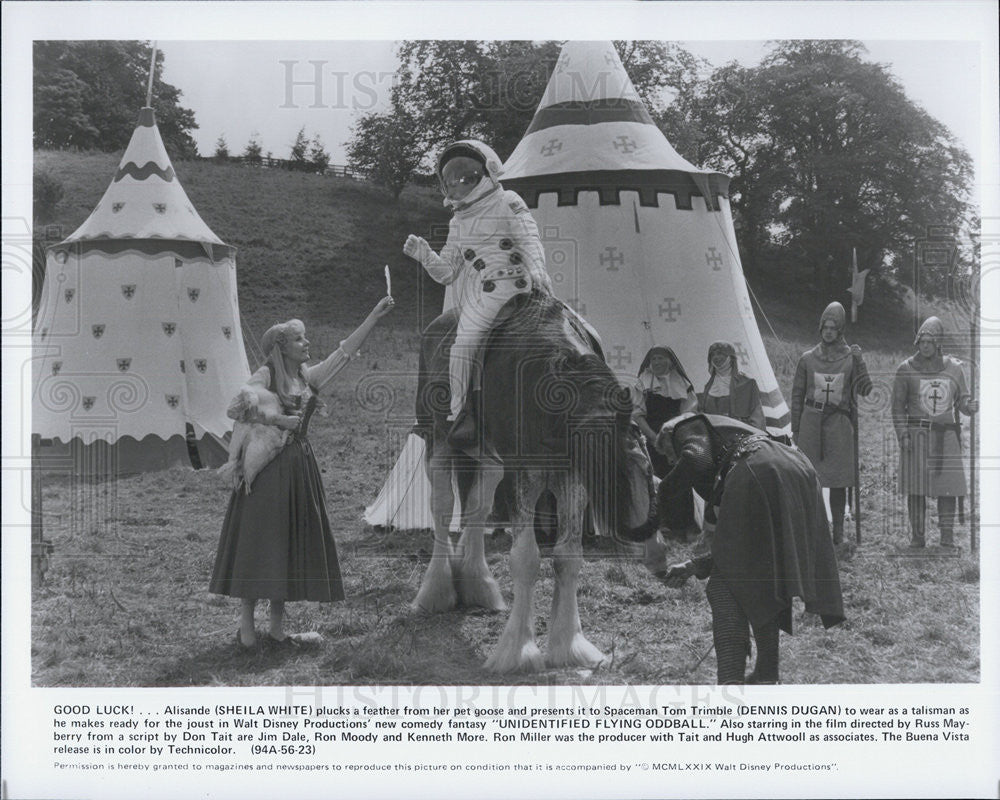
138,346
639,241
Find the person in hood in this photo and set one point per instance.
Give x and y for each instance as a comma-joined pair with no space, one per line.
493,252
928,394
728,390
661,392
765,538
827,379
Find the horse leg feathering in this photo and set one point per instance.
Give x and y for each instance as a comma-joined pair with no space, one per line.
516,649
437,589
475,583
567,646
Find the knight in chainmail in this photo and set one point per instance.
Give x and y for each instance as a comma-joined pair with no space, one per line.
765,537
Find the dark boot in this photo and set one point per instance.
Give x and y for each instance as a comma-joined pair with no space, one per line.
916,507
464,431
765,670
946,520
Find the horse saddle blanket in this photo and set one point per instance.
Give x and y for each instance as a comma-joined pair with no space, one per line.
433,392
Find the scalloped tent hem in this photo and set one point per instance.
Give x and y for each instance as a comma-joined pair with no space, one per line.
127,456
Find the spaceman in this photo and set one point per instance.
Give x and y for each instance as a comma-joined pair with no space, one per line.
493,252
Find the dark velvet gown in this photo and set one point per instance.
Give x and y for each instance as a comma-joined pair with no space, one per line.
276,542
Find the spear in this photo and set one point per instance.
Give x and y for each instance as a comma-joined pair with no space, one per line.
856,420
973,386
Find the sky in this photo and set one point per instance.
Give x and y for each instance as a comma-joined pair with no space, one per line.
238,88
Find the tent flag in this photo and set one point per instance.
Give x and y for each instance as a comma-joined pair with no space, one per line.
857,287
138,344
637,240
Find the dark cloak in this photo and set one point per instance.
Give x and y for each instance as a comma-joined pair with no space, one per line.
772,542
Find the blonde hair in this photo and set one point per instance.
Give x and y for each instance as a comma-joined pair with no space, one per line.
272,343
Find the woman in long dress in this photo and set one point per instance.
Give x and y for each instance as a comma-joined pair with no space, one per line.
276,542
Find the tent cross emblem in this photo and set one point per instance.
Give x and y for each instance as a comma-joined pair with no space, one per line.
227,331
116,207
173,400
193,294
669,308
621,356
169,328
553,146
88,403
624,143
69,295
741,353
613,258
97,331
201,364
56,367
124,364
714,259
128,289
160,208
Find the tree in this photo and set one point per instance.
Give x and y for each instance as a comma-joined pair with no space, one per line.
319,159
252,153
383,146
299,151
221,149
829,155
490,89
88,95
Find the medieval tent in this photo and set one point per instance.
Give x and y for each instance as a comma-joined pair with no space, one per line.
138,347
637,240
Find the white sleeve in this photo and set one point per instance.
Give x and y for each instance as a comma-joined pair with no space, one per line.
444,268
319,375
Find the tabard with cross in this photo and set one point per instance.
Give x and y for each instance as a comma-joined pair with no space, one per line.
935,397
828,388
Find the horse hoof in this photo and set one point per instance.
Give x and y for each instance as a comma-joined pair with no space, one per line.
579,653
481,593
433,600
527,659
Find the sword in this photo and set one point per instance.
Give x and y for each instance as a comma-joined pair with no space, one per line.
388,282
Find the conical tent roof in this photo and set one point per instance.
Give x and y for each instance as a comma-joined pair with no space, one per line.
590,119
637,239
145,199
138,342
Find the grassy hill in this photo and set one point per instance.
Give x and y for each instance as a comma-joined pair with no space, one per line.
125,601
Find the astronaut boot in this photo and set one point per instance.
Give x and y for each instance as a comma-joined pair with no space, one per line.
464,433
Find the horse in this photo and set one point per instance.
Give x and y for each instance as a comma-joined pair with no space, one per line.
555,427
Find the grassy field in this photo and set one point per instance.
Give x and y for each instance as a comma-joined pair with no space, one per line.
125,600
